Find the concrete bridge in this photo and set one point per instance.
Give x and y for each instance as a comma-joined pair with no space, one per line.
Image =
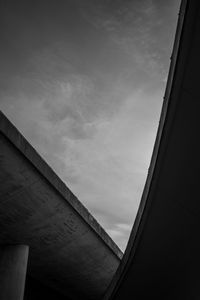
46,232
162,260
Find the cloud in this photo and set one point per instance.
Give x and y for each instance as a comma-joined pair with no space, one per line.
121,233
88,98
137,27
92,148
111,167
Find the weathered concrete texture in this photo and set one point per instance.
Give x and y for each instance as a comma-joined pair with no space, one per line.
13,265
69,250
162,260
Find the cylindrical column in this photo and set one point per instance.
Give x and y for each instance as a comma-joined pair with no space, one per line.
13,265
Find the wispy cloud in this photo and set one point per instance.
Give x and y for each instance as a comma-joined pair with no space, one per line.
92,149
87,95
136,27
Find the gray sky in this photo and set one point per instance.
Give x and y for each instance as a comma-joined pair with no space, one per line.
84,81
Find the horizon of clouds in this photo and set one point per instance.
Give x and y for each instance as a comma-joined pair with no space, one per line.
87,93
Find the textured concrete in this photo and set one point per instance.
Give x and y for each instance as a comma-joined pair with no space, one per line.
69,250
13,265
162,260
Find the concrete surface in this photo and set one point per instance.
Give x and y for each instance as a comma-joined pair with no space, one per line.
13,265
162,260
69,250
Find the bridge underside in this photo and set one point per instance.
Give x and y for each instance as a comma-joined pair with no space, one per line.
162,260
69,252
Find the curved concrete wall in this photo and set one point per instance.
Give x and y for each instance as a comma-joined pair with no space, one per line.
162,259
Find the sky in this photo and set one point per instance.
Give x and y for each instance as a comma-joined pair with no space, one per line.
84,80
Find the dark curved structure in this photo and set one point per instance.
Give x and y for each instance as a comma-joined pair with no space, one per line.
162,260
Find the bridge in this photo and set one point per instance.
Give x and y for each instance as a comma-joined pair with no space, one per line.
45,231
162,259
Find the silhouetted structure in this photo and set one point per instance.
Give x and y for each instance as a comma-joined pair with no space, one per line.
162,259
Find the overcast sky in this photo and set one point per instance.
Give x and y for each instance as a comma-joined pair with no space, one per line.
84,80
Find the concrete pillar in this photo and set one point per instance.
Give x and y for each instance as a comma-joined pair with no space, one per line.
13,264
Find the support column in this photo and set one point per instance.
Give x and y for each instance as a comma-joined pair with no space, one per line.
13,265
